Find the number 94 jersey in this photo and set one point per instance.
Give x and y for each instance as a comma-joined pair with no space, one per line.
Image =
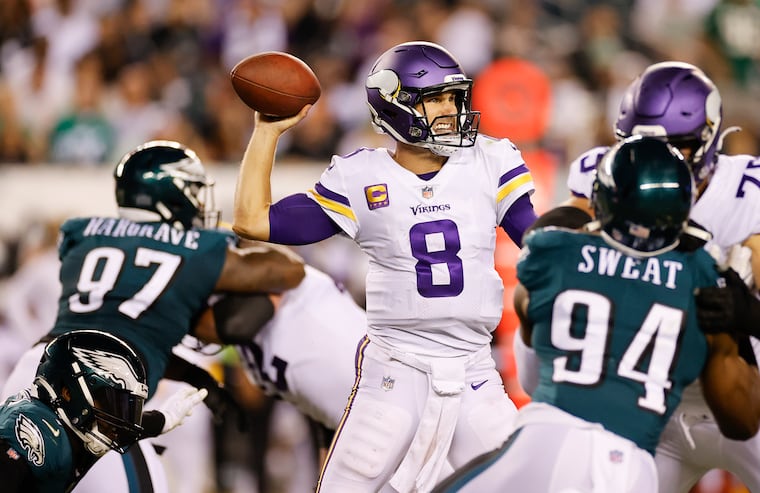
616,336
144,282
431,286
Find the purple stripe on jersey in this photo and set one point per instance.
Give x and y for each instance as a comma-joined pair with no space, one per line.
329,194
520,170
519,218
428,176
298,220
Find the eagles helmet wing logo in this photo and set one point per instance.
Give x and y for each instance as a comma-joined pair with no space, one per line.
187,169
29,437
111,367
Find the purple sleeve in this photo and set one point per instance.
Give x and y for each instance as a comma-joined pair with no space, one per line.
298,220
518,218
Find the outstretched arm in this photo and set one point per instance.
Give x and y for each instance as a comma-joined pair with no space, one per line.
261,267
253,193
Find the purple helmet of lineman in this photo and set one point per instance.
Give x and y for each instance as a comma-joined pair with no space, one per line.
679,102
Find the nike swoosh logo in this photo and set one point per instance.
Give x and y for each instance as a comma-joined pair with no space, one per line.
56,432
476,386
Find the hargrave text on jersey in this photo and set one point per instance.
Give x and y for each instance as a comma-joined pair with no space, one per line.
163,232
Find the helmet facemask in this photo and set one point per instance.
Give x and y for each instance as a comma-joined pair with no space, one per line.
190,179
462,125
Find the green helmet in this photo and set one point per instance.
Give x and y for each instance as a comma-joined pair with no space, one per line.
642,196
165,181
97,386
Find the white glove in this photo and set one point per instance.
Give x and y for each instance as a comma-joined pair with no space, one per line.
180,405
739,258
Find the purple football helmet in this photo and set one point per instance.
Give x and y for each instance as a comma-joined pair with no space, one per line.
399,80
679,102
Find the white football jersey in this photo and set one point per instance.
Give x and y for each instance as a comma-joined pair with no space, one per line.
431,286
305,353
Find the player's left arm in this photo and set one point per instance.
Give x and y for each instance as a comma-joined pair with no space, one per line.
731,388
519,218
526,359
520,300
235,318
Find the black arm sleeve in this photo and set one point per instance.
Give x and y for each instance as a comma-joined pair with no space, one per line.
565,216
239,317
153,423
16,475
181,370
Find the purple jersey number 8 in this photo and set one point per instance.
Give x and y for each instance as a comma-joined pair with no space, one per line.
421,236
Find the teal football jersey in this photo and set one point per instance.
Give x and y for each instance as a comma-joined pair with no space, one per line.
144,282
616,336
33,430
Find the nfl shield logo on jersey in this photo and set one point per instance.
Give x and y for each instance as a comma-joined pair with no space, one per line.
616,456
427,192
388,383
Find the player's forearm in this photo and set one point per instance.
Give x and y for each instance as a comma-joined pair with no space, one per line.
253,193
732,390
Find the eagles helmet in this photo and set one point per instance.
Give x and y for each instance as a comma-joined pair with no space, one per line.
642,196
165,181
97,386
678,102
399,80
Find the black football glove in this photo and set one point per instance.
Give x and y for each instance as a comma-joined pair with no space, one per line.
225,407
220,401
729,309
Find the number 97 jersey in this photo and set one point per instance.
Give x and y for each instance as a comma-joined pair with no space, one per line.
144,282
431,285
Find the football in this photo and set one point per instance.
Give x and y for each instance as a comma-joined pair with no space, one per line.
275,83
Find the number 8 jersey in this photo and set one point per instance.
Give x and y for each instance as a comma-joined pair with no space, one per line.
431,281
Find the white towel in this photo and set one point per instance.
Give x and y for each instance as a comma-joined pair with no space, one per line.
420,469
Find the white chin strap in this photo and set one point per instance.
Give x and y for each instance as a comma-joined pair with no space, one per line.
440,150
95,445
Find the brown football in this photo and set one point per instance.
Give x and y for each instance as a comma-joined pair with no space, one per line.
275,83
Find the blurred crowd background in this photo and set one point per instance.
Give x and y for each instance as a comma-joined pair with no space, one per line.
83,81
